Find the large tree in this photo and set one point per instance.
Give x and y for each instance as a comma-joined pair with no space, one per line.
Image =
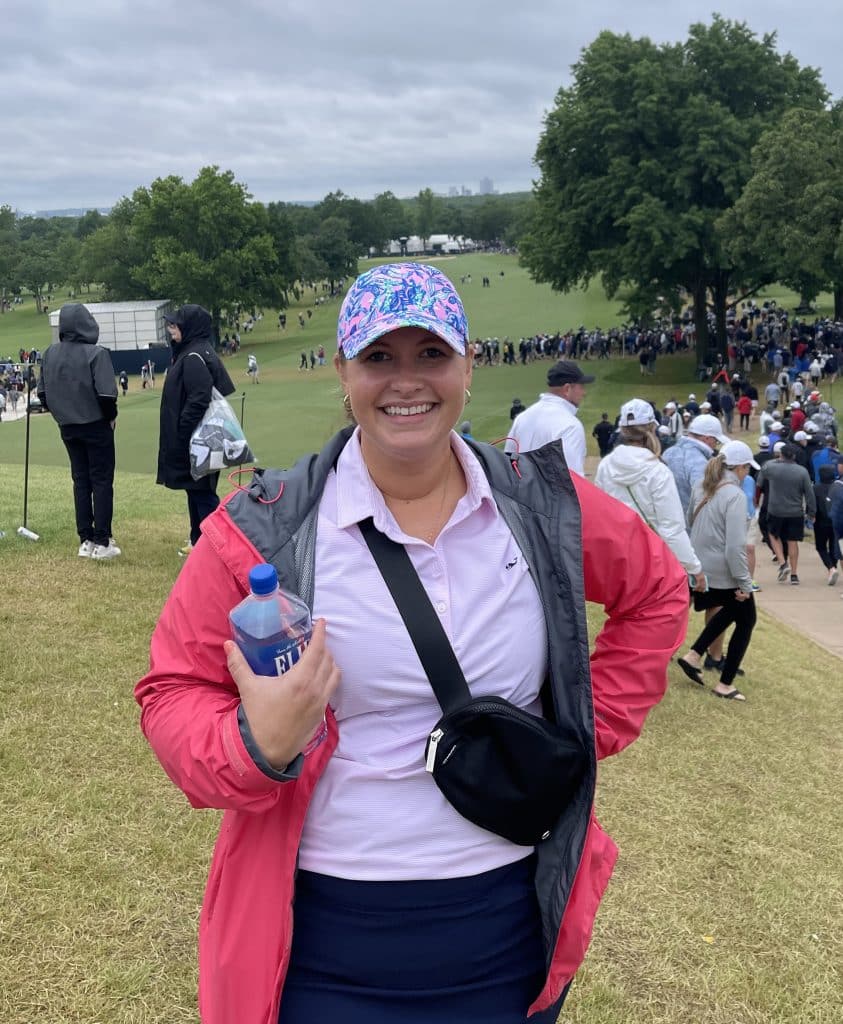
8,254
644,152
206,242
789,218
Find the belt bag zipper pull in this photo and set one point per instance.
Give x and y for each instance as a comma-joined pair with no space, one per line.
432,744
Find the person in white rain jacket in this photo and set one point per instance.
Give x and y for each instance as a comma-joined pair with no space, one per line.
634,474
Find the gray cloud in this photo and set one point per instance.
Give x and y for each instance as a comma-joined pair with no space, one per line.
299,98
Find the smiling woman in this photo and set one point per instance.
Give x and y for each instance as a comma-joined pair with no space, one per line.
411,903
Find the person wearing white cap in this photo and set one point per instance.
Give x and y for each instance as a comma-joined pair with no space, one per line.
800,449
688,457
797,417
791,498
718,533
673,421
634,474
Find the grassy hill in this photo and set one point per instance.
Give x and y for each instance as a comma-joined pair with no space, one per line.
722,908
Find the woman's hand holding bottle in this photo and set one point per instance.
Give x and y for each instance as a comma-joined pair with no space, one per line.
284,712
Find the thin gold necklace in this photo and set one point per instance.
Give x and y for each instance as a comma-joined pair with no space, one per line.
429,535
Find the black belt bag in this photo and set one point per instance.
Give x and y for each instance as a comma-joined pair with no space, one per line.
500,767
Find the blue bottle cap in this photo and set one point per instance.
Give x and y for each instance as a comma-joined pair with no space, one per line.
263,579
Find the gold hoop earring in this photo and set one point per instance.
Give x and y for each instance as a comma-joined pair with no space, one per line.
467,396
346,402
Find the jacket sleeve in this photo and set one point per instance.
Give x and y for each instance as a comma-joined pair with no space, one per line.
735,529
670,520
189,702
631,572
810,498
197,383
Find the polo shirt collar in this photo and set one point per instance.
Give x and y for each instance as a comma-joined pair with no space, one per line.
358,498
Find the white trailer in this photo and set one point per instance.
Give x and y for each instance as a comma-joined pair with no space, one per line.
133,331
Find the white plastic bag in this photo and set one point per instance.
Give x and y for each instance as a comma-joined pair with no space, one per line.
218,442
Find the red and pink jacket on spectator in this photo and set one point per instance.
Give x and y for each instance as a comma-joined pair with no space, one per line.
580,544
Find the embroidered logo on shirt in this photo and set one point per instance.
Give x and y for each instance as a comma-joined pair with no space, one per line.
514,562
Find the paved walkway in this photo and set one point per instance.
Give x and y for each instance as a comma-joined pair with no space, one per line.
813,608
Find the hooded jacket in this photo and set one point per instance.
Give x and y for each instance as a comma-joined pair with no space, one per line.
77,382
186,394
687,460
579,546
642,482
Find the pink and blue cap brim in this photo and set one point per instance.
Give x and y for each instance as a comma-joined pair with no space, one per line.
395,295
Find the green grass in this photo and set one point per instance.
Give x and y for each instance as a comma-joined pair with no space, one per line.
727,817
290,412
724,909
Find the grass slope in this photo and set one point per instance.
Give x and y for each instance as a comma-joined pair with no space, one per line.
291,412
724,907
725,904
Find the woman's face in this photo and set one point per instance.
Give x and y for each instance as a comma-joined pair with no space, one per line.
175,332
407,390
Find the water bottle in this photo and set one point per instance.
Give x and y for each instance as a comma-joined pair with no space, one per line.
272,628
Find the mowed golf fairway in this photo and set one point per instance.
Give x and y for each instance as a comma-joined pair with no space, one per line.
722,909
292,412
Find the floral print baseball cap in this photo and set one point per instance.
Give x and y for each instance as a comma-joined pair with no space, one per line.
396,295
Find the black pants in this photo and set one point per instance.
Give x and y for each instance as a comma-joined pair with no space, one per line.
741,613
826,544
745,421
201,504
90,447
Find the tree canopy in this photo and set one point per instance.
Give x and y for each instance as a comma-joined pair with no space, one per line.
645,151
788,220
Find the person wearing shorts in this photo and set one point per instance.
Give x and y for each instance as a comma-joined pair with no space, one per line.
790,499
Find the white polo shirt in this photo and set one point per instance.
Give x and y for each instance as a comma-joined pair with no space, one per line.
551,418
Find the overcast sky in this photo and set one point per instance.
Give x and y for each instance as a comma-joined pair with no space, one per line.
301,97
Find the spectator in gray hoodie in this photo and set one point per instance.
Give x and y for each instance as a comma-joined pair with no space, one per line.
78,388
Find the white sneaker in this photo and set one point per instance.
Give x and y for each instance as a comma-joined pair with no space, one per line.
104,551
832,577
112,543
86,548
185,550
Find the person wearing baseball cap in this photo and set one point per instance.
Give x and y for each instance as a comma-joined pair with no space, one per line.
688,457
382,857
791,498
799,441
673,422
719,533
554,416
633,474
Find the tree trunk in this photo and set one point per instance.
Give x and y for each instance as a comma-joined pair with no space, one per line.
719,294
701,321
38,302
838,301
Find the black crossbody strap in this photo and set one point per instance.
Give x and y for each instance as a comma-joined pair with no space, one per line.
429,638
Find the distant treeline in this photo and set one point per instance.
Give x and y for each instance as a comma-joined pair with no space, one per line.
208,241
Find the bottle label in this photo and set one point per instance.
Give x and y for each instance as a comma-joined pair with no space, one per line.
286,658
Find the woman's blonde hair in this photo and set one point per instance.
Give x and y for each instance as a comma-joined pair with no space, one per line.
713,476
643,435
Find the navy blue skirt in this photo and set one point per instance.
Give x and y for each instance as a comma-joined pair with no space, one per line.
458,950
